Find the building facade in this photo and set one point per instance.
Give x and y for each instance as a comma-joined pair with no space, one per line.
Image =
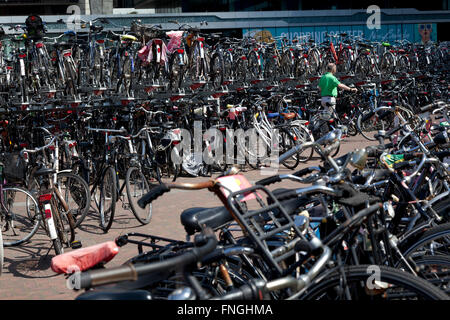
288,18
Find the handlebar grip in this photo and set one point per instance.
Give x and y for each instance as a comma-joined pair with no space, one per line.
368,115
104,276
403,164
287,195
441,138
374,152
253,290
394,130
269,180
409,156
152,195
303,172
289,153
442,154
428,106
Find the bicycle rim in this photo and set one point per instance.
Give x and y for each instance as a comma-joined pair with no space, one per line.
22,219
137,186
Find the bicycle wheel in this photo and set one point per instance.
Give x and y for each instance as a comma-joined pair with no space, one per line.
176,73
387,64
369,282
369,127
64,225
314,61
254,68
362,66
270,70
287,64
287,142
240,69
435,241
19,219
303,135
302,68
108,198
127,76
227,66
137,186
217,70
75,192
436,270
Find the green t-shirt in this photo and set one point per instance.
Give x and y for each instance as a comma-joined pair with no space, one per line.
328,84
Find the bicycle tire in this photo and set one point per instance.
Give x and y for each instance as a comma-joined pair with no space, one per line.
326,283
34,219
64,225
57,246
431,236
364,126
287,142
436,270
217,70
107,215
142,215
176,73
81,198
303,134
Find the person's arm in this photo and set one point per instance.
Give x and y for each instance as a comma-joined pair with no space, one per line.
344,87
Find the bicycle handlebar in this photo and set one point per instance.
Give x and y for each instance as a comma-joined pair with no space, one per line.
131,272
35,150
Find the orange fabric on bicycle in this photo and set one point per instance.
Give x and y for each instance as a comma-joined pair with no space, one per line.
84,258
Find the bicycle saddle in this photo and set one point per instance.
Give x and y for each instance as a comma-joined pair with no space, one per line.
85,258
193,218
288,116
292,206
168,125
63,45
44,172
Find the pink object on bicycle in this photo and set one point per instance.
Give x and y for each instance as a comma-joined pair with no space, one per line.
175,40
85,258
143,52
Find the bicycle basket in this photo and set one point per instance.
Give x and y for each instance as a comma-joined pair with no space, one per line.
14,167
271,229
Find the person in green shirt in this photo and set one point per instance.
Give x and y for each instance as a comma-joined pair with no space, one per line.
328,85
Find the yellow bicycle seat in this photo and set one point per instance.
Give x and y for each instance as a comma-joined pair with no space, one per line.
128,37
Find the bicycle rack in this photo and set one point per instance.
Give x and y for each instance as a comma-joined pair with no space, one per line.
266,225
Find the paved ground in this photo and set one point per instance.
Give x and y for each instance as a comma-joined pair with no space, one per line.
27,273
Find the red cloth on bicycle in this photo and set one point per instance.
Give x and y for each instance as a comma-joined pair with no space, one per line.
84,258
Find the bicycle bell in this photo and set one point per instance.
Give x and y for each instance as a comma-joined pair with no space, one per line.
358,158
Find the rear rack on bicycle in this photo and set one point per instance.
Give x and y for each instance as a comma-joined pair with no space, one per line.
267,225
157,243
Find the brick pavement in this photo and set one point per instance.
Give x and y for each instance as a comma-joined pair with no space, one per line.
27,274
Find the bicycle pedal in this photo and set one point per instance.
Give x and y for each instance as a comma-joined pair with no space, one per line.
76,244
126,206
